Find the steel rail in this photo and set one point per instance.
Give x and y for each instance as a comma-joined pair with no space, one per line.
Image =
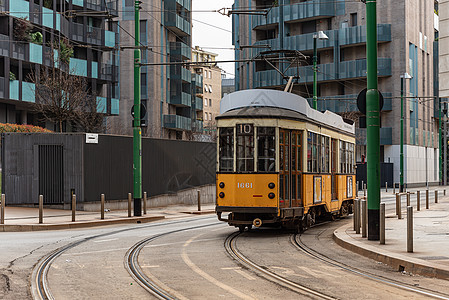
39,282
133,267
295,239
301,289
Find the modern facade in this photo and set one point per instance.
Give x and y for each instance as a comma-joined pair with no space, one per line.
211,87
405,34
167,91
88,29
227,86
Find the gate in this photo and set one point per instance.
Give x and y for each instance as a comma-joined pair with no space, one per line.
51,173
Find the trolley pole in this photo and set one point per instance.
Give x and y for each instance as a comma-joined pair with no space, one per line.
137,130
372,123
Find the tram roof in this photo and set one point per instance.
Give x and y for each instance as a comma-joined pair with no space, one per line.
244,103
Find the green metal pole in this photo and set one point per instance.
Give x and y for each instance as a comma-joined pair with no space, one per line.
372,123
440,144
401,156
137,131
315,58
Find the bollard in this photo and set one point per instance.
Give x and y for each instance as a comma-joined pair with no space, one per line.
436,196
364,190
354,215
41,209
444,192
364,219
409,229
398,206
357,209
73,207
394,188
382,223
386,187
199,199
102,206
2,210
357,190
427,199
144,203
129,204
408,198
418,200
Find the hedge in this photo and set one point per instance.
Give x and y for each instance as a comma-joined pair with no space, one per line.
22,128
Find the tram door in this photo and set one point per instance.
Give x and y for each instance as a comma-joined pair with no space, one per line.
290,170
334,152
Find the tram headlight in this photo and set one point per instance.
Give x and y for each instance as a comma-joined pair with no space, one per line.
221,195
271,185
271,195
221,185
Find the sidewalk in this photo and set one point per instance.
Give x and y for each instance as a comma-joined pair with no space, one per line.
27,219
430,255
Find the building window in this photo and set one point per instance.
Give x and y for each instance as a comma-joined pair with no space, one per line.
210,102
354,19
205,73
210,75
210,88
205,101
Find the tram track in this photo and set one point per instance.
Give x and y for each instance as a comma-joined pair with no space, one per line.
39,281
231,248
295,239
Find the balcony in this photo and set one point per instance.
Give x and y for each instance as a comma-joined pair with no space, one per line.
28,92
182,99
197,126
14,89
78,2
198,79
347,103
102,106
78,67
109,38
357,68
385,136
179,73
93,35
35,53
180,51
357,34
296,13
198,103
177,122
94,69
77,31
115,106
179,25
19,9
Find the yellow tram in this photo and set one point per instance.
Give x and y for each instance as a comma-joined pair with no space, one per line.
280,162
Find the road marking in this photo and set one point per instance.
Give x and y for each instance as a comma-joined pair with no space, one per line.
317,274
287,271
156,266
241,272
102,241
206,276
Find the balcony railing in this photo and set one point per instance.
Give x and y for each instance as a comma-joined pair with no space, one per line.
357,68
181,99
177,122
386,136
180,50
198,103
177,23
357,34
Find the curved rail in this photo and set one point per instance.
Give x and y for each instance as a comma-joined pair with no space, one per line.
39,283
133,268
296,241
296,287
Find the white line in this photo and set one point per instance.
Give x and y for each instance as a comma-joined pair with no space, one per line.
102,241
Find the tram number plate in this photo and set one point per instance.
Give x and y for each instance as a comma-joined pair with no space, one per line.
244,185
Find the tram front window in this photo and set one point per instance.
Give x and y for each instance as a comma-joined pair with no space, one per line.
245,148
226,150
266,150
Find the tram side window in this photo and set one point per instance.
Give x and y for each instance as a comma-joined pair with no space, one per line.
346,157
266,149
226,150
317,153
245,148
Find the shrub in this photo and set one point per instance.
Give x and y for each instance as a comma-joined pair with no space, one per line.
22,128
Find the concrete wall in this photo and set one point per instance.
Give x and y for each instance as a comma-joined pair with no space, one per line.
184,197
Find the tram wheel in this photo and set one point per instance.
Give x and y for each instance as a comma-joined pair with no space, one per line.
242,228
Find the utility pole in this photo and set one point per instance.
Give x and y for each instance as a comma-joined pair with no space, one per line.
372,123
137,130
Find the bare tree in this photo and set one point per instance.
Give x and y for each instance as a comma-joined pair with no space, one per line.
61,96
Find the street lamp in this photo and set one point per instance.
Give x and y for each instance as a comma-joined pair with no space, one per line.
401,156
322,36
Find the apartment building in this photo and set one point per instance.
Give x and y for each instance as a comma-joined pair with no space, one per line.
167,91
85,24
211,87
405,33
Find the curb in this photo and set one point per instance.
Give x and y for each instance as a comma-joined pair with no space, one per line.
80,224
203,212
396,261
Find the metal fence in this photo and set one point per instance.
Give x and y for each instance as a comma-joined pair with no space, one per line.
57,165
